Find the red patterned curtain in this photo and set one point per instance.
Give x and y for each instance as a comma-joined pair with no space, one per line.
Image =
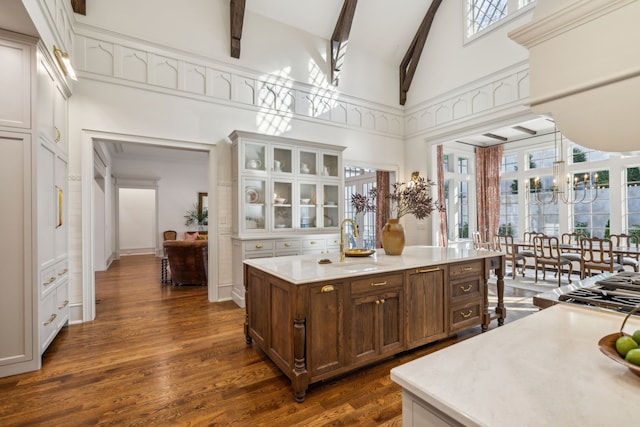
443,238
382,206
488,160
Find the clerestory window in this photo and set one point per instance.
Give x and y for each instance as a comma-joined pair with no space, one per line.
481,14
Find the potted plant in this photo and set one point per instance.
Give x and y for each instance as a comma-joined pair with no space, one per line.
195,216
413,197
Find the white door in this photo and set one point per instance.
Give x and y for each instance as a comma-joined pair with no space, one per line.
137,220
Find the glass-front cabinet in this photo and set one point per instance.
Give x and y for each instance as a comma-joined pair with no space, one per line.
283,185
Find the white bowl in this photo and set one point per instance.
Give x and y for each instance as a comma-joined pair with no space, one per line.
305,201
280,200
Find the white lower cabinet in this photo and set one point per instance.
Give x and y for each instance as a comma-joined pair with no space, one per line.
54,313
274,246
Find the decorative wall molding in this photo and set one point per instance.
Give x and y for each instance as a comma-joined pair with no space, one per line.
492,95
130,62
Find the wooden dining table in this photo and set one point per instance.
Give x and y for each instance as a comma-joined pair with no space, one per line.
619,251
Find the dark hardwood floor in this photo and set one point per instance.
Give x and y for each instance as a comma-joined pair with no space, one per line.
163,355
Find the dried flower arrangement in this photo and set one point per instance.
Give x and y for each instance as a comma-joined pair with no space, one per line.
412,198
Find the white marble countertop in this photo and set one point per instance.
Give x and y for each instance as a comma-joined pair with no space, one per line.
543,370
301,269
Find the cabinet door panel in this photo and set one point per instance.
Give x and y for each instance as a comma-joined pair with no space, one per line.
364,329
426,306
392,325
326,325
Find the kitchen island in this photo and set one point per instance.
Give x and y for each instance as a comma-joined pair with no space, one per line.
316,317
543,370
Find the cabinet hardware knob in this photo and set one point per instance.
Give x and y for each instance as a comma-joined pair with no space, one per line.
467,289
467,315
377,301
382,301
379,283
312,242
427,270
327,288
51,319
258,245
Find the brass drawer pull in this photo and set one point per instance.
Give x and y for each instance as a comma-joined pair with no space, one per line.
467,289
51,319
466,316
467,269
58,136
50,281
382,301
327,288
312,242
63,272
427,270
66,302
379,283
286,245
258,245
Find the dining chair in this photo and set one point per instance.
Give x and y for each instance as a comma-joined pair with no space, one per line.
505,244
572,239
627,241
547,253
597,254
480,244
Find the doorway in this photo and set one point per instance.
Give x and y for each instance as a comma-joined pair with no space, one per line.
360,180
137,213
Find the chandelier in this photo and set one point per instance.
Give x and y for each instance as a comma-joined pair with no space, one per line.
580,189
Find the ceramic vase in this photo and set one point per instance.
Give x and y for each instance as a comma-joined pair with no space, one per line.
393,237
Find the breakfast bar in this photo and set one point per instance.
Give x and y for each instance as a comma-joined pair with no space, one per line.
317,317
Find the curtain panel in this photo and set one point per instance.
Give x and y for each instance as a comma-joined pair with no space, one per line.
488,160
382,205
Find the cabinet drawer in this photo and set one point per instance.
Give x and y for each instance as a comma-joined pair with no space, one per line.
333,242
62,268
313,244
465,288
258,245
48,278
47,320
377,283
466,315
62,301
287,244
465,269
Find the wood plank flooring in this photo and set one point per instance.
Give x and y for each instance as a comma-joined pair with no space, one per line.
163,355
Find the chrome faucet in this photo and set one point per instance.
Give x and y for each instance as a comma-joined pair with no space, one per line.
355,234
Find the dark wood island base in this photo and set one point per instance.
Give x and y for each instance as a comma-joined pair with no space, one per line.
320,329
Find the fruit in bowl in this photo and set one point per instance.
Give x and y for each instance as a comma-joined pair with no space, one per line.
622,347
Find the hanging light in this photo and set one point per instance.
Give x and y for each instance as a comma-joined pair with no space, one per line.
569,191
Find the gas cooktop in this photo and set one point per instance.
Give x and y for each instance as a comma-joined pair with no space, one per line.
619,292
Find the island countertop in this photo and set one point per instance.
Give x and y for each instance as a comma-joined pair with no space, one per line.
302,269
545,369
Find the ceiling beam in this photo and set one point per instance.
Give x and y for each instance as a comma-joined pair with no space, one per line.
340,38
494,136
79,6
525,130
412,57
236,14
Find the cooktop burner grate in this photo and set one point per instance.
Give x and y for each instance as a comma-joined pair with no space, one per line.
615,300
628,280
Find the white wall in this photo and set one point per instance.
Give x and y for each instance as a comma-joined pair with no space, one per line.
137,220
447,63
268,47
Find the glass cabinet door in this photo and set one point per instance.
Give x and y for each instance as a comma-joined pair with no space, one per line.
307,163
330,207
282,160
308,208
254,156
254,204
330,165
282,204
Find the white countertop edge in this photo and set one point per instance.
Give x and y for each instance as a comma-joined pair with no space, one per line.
301,269
548,389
